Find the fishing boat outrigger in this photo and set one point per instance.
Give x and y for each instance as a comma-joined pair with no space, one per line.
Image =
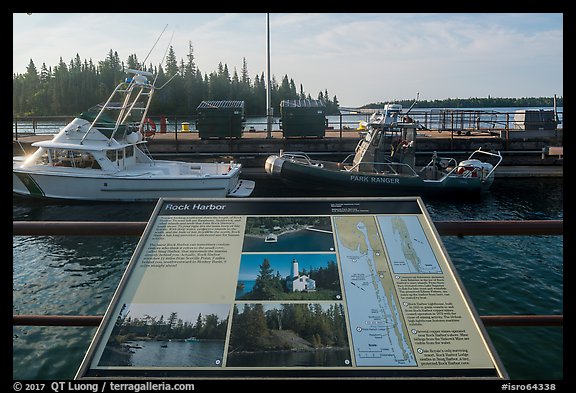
384,164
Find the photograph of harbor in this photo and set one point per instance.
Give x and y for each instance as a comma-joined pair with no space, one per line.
167,335
288,335
288,277
280,234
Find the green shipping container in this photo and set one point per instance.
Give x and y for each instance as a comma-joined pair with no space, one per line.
302,118
220,119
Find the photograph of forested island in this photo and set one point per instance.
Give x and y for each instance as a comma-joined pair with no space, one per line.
288,277
264,234
168,335
288,335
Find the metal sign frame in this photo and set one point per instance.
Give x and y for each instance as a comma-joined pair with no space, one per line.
291,288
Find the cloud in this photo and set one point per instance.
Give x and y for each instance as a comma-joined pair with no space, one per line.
356,56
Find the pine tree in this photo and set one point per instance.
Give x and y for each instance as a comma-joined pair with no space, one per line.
264,287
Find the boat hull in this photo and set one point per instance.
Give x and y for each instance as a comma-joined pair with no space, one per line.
126,188
362,183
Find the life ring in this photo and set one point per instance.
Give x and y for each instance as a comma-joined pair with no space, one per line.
148,127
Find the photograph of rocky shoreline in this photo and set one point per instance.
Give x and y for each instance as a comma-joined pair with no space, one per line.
288,335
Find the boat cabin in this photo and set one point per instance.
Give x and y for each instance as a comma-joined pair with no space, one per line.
107,158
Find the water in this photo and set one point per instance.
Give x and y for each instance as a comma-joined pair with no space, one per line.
244,286
202,353
306,240
67,275
324,357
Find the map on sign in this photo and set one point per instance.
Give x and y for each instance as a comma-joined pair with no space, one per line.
407,246
378,332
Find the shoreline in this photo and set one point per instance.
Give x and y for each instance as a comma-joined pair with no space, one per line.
262,236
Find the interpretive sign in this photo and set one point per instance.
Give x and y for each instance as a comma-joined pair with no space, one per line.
291,287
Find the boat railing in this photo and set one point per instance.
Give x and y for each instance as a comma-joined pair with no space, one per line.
125,109
498,156
298,156
100,113
450,162
144,147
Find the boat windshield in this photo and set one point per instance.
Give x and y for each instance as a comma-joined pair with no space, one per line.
68,158
90,115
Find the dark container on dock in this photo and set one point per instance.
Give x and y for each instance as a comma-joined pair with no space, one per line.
220,119
303,117
535,119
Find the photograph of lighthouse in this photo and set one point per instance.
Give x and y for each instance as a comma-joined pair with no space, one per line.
288,277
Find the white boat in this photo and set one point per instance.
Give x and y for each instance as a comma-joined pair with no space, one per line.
101,155
271,238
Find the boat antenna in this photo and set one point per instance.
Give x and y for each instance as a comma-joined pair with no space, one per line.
163,57
153,46
414,103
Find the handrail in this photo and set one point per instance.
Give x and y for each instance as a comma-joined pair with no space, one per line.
136,228
95,320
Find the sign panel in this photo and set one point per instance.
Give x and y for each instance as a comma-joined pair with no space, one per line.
291,287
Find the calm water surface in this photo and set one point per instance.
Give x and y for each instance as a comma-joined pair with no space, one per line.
67,275
203,353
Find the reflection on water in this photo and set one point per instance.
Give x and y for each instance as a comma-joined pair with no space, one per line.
201,353
326,357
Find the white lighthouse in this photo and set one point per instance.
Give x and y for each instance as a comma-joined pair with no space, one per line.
299,283
295,271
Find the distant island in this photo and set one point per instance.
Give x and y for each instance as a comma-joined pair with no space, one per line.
488,102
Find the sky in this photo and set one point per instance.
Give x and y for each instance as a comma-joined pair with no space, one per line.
282,263
360,58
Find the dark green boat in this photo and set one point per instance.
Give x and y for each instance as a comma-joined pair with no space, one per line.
384,164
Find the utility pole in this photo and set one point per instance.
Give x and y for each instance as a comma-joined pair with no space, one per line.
269,109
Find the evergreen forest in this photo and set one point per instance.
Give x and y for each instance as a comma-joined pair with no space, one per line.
207,327
256,329
71,88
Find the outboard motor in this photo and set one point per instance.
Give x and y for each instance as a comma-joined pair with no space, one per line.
474,168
